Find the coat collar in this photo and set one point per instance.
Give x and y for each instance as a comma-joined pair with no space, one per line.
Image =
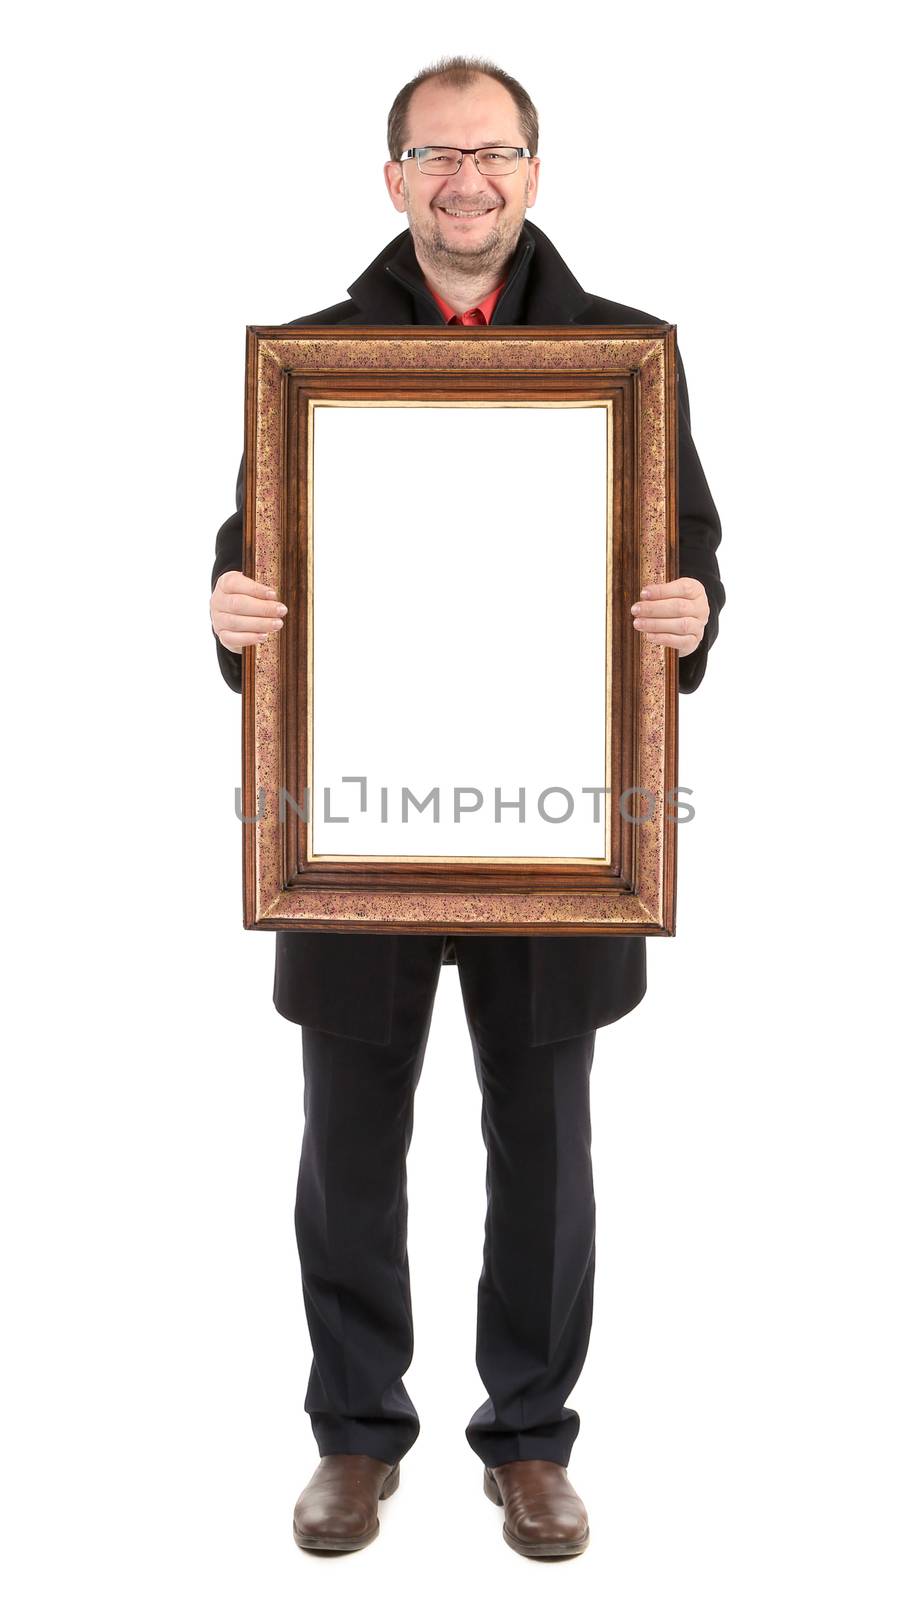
540,288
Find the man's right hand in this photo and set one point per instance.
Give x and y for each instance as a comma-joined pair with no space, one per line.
243,611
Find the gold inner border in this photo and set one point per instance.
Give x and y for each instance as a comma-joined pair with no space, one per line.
457,405
273,354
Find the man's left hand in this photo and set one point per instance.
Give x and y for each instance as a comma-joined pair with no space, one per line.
673,614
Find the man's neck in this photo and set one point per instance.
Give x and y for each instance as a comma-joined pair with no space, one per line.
459,289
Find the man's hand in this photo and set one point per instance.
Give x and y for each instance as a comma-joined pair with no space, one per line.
243,611
673,613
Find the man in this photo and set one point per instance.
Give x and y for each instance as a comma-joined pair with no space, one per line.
463,167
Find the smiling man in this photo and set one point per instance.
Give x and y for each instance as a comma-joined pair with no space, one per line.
465,222
463,167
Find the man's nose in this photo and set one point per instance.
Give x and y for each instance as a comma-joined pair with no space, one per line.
467,175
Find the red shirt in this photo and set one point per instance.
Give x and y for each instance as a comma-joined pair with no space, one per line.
478,316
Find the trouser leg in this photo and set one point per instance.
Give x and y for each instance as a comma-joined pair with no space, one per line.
534,1307
351,1221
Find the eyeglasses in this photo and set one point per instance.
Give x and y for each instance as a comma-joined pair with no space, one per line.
439,161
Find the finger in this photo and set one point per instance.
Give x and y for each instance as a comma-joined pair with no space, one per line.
239,641
686,588
667,624
238,583
226,623
248,605
676,607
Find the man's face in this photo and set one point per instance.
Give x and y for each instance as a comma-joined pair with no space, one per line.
493,208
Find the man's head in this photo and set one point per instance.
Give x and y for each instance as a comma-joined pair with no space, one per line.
463,103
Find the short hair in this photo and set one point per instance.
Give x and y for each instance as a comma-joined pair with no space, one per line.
460,72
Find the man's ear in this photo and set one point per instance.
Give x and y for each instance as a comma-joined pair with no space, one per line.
393,178
534,169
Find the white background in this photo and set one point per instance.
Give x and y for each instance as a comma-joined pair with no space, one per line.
751,1400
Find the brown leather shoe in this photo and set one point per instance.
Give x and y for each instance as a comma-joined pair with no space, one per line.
544,1514
338,1508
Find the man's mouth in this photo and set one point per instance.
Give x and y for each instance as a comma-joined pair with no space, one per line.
450,212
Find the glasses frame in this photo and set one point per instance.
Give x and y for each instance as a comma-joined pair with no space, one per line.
418,149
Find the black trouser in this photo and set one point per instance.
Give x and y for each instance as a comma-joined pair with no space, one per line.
534,1308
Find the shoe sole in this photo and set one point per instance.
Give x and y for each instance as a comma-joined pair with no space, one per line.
319,1541
561,1547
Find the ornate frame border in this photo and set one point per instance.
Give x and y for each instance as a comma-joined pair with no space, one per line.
286,368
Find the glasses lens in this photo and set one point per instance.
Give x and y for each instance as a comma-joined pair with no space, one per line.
436,161
498,160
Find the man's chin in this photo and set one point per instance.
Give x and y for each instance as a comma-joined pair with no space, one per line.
473,253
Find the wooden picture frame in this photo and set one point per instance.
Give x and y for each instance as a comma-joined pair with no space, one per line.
421,421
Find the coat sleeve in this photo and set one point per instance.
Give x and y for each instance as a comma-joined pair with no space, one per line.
699,536
229,558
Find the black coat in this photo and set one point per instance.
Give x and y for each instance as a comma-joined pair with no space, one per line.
344,982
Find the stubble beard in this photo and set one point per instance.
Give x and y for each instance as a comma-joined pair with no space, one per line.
495,248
